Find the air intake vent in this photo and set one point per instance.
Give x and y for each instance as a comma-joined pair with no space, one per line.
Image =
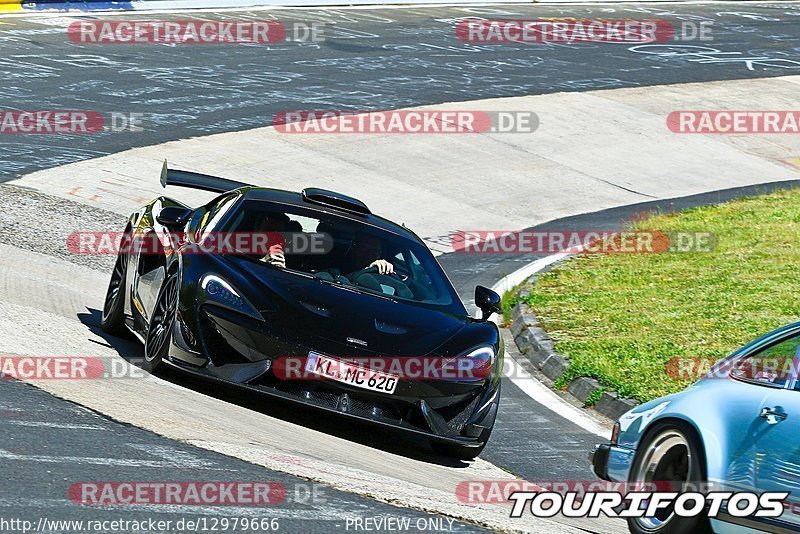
335,200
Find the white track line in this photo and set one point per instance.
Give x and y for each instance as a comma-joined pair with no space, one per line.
46,424
527,382
113,462
550,400
507,283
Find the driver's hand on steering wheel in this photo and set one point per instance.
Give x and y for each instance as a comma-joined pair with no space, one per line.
384,267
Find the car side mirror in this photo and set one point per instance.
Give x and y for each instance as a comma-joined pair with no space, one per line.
487,301
174,216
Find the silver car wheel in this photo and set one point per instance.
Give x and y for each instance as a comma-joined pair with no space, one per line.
666,460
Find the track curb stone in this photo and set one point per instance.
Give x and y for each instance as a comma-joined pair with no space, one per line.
537,347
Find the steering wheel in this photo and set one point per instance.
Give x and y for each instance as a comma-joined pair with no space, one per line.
374,270
394,281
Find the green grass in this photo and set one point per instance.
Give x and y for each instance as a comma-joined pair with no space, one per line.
508,301
620,317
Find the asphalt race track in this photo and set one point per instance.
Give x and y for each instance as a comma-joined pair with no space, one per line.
372,59
44,445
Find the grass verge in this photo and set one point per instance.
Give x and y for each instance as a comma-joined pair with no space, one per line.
620,317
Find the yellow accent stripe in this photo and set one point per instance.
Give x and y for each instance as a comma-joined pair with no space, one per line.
6,8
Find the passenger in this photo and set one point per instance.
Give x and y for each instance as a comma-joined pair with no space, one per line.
274,222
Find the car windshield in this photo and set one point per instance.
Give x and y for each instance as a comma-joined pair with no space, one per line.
343,251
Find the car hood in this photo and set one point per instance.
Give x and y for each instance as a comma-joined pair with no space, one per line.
342,321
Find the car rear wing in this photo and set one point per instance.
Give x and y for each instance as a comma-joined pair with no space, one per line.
196,180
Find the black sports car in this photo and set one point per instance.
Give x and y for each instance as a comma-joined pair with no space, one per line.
371,292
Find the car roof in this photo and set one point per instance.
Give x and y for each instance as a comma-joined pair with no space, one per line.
292,198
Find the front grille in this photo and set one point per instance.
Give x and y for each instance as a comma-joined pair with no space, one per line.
320,398
344,402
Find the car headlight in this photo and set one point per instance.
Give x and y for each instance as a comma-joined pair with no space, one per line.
477,364
220,292
481,361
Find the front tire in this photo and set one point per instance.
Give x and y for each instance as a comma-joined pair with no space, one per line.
159,333
670,454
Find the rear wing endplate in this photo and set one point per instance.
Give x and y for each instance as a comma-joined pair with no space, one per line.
196,180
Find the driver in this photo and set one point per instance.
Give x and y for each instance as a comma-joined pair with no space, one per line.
366,253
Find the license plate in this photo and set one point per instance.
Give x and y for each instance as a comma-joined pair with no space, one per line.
350,373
